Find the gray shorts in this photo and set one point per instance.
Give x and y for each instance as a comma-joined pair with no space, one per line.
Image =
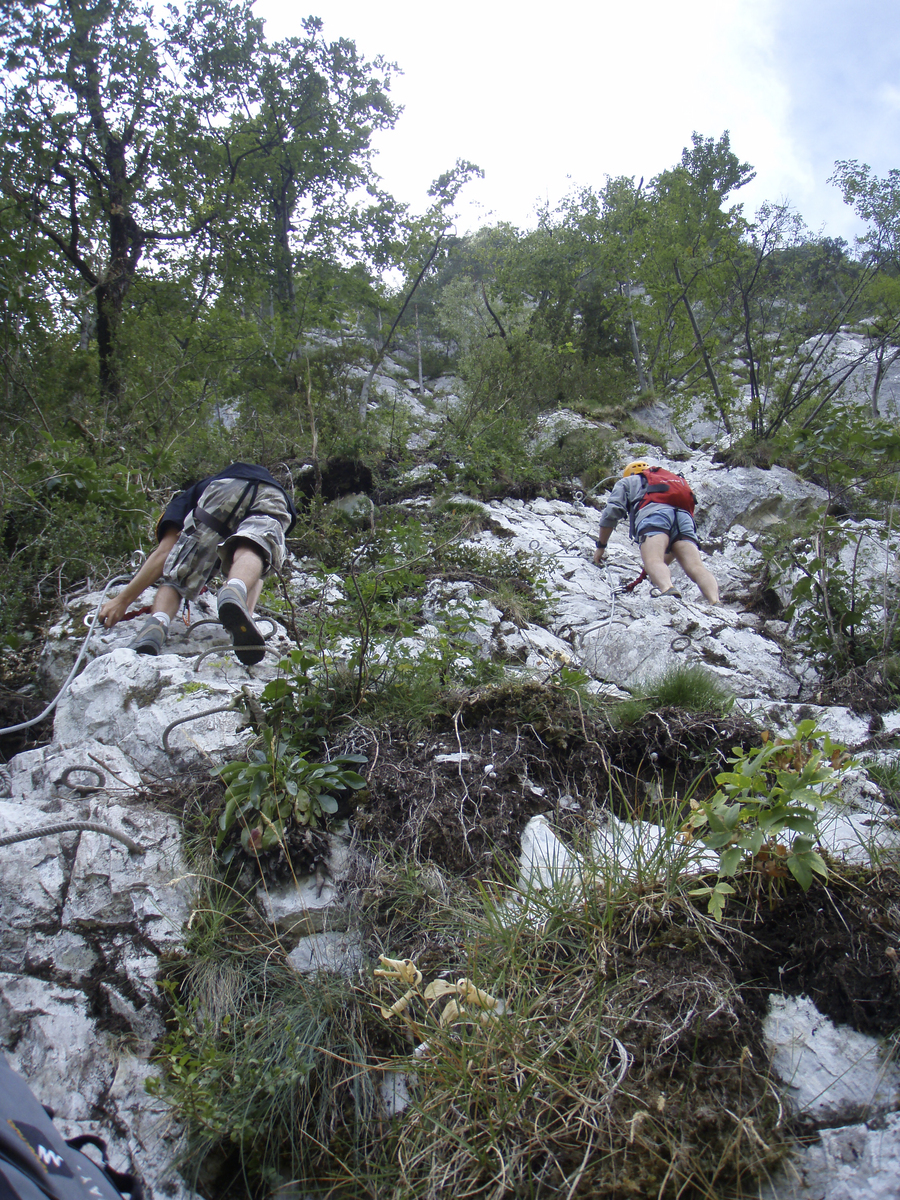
200,550
674,522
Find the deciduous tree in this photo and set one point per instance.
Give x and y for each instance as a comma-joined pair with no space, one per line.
132,138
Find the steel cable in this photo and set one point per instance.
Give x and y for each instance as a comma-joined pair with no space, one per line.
69,826
62,691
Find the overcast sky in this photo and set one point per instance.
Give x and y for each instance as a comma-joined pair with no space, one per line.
547,97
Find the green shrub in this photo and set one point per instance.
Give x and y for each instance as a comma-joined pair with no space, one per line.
842,619
68,518
279,786
766,810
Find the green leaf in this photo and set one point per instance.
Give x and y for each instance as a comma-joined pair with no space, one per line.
801,870
730,860
802,824
228,813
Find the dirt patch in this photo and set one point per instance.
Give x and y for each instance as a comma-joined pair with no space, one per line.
462,803
460,797
459,800
872,688
839,944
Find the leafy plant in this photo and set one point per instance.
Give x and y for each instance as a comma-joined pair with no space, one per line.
766,810
66,517
291,705
279,785
843,614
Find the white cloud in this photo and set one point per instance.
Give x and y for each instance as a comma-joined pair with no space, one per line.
889,94
546,96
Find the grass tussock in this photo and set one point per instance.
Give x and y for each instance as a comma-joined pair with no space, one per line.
490,1044
688,687
603,1076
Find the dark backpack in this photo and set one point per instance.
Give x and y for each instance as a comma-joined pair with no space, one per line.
36,1163
665,487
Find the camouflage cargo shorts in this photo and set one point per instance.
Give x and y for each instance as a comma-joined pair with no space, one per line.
200,551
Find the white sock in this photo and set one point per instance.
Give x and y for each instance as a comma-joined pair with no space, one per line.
163,619
238,583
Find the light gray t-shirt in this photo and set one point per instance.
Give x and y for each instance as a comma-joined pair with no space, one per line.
624,501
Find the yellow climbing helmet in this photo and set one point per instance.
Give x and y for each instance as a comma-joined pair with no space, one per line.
634,468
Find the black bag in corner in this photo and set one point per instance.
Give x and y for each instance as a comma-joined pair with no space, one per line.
36,1162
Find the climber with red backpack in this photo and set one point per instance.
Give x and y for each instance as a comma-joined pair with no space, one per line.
659,506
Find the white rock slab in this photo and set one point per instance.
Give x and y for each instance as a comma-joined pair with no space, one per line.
37,776
622,850
339,952
749,496
64,639
644,850
109,886
830,1071
58,1049
311,903
852,1162
33,874
70,1065
841,724
546,863
128,700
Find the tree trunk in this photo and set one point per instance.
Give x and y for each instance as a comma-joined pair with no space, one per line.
367,382
701,346
419,353
644,384
282,208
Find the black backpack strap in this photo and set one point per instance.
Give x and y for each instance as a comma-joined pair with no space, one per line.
202,517
225,528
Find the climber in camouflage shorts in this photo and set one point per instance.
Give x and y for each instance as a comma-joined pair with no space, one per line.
239,519
261,519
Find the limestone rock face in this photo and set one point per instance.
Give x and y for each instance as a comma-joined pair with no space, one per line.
751,498
84,920
841,1079
130,701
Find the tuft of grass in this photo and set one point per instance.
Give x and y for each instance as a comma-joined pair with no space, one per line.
279,1090
461,517
553,1057
689,687
885,772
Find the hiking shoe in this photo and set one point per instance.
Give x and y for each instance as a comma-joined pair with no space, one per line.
151,638
672,593
249,643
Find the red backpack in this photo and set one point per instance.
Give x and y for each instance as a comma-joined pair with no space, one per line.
665,487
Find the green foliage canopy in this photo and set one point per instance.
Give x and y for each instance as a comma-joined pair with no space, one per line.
179,142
